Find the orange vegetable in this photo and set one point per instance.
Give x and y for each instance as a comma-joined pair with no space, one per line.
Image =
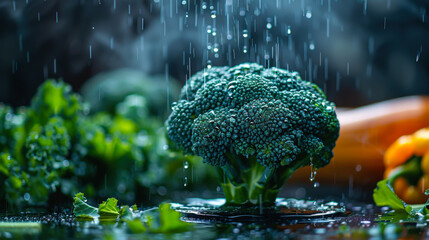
425,163
409,156
421,139
365,134
414,196
399,152
400,186
423,183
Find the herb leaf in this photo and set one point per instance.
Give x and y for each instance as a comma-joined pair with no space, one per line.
83,210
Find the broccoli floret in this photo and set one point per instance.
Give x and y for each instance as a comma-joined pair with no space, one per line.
256,126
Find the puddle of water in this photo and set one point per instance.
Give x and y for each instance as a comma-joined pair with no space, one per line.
214,210
290,218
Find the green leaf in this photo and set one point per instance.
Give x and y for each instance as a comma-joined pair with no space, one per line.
109,209
4,163
384,195
134,207
82,210
136,226
170,220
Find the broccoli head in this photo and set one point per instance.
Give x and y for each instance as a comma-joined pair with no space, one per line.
256,126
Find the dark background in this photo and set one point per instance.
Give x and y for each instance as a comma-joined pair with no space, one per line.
358,52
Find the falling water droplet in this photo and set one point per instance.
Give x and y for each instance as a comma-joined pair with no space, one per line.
308,14
186,165
313,171
216,48
289,31
316,184
185,183
242,12
213,14
245,33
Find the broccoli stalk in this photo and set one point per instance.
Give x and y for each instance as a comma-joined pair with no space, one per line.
256,126
245,181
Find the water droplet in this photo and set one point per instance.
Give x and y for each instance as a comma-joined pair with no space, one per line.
186,165
289,31
313,171
257,12
209,29
185,183
213,14
184,2
358,168
245,33
244,49
316,184
162,190
66,163
311,46
204,5
27,196
242,12
308,14
269,26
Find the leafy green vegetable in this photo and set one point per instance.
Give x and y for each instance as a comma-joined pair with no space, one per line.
53,149
170,220
108,208
83,210
106,90
384,195
156,220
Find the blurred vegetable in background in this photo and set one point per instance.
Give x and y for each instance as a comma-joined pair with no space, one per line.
106,90
55,148
366,132
406,182
407,166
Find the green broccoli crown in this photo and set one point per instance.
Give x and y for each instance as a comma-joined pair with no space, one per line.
246,110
